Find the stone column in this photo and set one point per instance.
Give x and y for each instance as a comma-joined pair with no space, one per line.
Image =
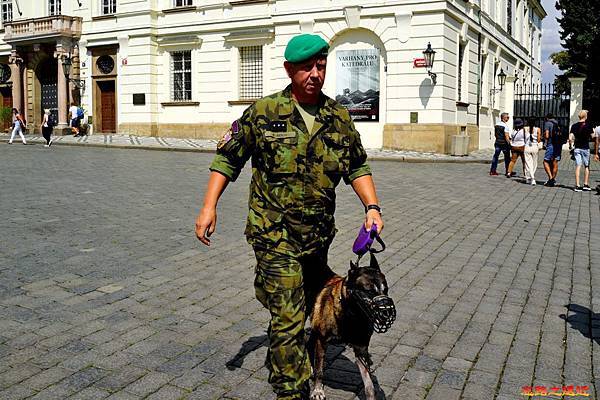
15,73
62,89
576,98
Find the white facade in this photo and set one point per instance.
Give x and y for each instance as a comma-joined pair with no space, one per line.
142,36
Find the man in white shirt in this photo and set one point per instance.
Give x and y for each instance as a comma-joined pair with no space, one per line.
502,133
74,119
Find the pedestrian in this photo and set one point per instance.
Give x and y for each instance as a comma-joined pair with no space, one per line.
302,144
47,127
517,146
502,132
74,117
533,143
17,126
553,143
579,142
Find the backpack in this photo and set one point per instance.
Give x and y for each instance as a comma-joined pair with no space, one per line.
52,120
564,135
557,135
79,113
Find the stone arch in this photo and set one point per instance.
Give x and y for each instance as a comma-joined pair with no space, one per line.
36,58
364,34
370,87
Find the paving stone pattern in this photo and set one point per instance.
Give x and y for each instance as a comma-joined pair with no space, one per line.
106,294
210,146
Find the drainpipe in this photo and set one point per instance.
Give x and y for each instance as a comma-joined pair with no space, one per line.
479,68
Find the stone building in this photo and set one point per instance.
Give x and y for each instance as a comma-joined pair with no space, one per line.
187,68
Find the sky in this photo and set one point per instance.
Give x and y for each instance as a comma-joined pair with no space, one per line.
550,40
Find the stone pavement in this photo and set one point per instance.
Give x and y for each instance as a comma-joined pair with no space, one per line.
209,146
106,293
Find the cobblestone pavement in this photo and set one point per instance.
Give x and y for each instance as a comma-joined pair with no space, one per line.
209,146
105,292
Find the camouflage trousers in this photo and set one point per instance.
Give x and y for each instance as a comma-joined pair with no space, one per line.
287,286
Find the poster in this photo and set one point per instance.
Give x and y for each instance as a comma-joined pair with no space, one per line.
357,83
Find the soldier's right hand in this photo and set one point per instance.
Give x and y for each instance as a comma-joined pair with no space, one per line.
205,224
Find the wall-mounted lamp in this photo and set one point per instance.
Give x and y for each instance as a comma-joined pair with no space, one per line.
501,82
66,64
429,55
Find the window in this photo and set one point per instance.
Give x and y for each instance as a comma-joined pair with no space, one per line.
181,75
6,9
108,7
251,73
182,3
485,90
460,67
54,7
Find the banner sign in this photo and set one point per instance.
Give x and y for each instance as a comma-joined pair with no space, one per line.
419,63
357,83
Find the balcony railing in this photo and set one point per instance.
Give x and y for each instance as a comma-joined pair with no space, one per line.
39,28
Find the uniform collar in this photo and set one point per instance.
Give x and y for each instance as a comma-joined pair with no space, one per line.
323,119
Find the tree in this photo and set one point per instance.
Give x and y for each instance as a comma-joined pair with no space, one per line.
580,35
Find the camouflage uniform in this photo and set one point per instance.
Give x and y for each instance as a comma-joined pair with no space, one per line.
291,213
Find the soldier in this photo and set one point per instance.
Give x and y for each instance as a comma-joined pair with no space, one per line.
302,143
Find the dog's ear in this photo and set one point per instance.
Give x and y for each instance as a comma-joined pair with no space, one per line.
353,266
373,263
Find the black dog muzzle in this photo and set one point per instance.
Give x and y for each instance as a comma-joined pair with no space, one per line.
380,310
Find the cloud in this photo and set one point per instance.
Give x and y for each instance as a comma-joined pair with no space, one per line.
550,40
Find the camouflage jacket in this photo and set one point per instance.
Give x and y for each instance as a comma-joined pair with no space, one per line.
294,172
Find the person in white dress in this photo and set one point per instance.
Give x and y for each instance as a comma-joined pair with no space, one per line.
533,143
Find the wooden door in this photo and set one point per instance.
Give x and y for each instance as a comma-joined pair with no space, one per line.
107,106
6,93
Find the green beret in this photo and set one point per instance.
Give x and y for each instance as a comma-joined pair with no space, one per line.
304,47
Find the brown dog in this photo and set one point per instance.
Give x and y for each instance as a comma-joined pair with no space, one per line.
339,313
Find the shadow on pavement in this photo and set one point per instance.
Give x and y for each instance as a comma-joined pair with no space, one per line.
340,372
583,320
250,345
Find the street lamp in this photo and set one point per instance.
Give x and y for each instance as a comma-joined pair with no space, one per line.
66,64
429,55
501,82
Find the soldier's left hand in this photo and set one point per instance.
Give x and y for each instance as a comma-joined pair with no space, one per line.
373,216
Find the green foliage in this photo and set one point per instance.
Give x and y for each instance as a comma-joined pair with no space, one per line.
5,114
580,35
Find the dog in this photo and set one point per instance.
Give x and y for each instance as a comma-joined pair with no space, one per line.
350,309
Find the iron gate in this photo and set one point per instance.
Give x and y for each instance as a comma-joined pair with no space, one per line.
538,100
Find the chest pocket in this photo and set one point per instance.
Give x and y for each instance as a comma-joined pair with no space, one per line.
280,152
336,155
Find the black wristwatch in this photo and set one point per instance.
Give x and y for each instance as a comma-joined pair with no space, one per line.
372,207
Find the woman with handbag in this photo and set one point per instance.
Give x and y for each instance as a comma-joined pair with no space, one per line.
517,146
533,144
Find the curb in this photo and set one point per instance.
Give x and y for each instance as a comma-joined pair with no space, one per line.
407,159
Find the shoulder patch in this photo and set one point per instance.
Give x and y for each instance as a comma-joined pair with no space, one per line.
225,139
235,127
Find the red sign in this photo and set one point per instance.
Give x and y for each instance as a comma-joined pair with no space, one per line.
419,63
